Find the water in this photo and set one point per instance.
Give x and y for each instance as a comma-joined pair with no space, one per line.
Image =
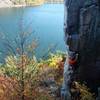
46,21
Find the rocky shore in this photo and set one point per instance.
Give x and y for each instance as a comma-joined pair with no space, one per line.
10,6
13,3
9,3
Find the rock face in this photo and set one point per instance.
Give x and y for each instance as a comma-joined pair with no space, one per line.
90,42
83,20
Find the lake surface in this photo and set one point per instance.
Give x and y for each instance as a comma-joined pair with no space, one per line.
46,21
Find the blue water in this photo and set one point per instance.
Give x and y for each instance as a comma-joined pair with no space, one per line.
46,21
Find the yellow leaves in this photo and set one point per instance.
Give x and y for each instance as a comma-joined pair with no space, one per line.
53,64
1,92
35,2
53,61
33,73
11,61
84,91
2,71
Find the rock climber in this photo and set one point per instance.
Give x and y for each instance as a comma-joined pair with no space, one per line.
82,38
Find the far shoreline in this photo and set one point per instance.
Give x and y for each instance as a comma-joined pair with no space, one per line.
13,6
18,6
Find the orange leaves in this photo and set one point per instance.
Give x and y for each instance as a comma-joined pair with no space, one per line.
24,73
8,88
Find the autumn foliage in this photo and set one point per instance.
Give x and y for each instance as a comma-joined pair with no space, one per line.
22,76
